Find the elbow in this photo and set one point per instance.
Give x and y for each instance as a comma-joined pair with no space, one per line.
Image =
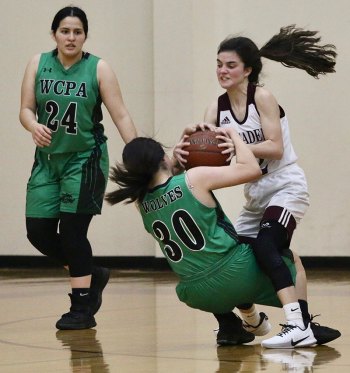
279,150
257,172
274,151
20,116
254,173
279,154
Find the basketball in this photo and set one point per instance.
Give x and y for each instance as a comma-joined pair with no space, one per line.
204,151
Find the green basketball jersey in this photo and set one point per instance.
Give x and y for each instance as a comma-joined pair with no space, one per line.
191,235
69,103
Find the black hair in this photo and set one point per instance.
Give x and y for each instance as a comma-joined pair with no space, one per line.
293,47
142,158
70,11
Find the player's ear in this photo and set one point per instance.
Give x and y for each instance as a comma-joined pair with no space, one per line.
247,71
53,36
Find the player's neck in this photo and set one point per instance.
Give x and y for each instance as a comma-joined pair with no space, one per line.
68,61
238,93
160,178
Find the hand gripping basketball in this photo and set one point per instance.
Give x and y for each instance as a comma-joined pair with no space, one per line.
204,151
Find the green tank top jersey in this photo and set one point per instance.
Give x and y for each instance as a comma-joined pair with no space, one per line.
191,235
69,103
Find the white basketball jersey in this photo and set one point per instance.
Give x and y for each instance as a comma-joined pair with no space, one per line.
250,129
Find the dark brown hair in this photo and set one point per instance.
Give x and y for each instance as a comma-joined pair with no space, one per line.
293,47
142,158
70,11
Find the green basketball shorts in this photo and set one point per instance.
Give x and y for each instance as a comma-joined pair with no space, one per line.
67,182
235,280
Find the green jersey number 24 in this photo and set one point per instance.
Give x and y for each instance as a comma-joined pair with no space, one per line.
68,118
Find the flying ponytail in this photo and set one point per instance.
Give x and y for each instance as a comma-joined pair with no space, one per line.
293,47
299,48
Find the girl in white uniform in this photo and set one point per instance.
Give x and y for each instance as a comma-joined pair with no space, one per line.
278,200
282,193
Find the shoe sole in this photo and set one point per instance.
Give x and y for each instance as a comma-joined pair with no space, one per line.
228,342
305,344
75,326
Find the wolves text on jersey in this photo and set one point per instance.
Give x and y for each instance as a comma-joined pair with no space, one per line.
63,87
164,200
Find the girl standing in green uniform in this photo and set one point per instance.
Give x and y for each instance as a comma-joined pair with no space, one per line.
216,272
61,98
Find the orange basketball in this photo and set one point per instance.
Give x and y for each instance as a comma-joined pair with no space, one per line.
204,151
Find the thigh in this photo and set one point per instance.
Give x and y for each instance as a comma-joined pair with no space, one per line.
293,195
84,182
248,222
43,190
258,195
286,188
240,280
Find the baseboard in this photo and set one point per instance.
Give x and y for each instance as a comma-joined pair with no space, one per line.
341,262
152,263
118,262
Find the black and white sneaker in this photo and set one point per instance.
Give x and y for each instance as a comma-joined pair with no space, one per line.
233,334
261,329
291,336
323,334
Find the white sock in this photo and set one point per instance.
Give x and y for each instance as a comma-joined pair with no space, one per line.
252,317
293,314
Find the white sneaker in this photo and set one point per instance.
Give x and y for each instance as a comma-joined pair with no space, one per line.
291,336
261,329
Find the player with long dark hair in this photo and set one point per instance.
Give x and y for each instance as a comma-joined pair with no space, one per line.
62,94
278,200
216,271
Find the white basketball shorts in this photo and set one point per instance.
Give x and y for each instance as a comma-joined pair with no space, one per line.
285,188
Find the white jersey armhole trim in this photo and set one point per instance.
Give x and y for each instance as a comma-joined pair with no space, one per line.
188,183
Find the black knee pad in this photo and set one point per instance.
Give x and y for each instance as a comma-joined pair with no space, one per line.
271,241
42,234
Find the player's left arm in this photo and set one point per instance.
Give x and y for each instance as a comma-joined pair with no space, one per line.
112,98
272,147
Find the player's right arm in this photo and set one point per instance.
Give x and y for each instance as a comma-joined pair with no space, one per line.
27,116
242,169
272,146
113,100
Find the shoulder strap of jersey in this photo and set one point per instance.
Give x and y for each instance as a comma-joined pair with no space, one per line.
251,99
223,104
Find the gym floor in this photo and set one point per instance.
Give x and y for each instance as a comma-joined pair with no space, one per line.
142,327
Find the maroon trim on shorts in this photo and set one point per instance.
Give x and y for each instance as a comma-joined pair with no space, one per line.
283,216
